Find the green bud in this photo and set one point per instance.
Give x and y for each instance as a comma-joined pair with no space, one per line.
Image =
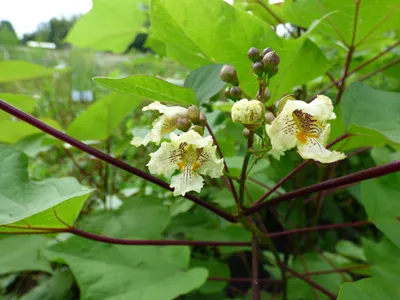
199,130
183,124
254,54
203,120
265,51
228,75
236,92
269,117
193,114
258,69
228,93
271,60
246,132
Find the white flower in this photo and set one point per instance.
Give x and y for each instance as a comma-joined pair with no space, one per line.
192,155
248,112
304,125
166,123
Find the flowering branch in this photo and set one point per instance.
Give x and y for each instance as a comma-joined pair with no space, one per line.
329,184
107,158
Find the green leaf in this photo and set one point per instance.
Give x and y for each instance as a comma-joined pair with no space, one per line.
21,253
383,259
361,115
99,120
298,289
107,271
380,198
205,81
109,25
56,287
374,17
350,249
369,289
196,35
16,70
151,88
29,203
22,102
18,130
215,269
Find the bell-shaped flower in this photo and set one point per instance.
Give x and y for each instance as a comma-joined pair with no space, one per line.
192,156
303,125
166,123
248,112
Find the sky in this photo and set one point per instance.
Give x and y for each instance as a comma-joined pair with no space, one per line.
25,15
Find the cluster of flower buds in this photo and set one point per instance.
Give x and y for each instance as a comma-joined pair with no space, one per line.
265,63
228,75
193,120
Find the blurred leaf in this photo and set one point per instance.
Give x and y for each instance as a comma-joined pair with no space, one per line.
259,9
180,205
151,88
22,102
361,116
21,253
32,145
215,269
156,45
369,289
205,81
380,198
109,25
16,70
56,287
298,289
107,271
18,130
383,259
374,17
99,120
349,249
29,203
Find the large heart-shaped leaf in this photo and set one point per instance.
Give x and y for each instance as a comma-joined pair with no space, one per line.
26,203
22,102
369,289
151,88
371,113
196,35
109,25
99,120
106,271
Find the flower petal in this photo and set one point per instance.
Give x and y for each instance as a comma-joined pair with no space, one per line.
169,111
313,149
185,182
164,160
192,138
209,163
321,108
154,135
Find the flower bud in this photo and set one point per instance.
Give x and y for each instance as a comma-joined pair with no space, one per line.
236,92
228,75
271,60
228,93
258,68
273,71
203,120
183,124
269,117
266,95
248,112
198,129
254,54
246,132
193,114
265,51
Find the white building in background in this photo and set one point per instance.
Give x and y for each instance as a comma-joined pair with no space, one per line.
41,45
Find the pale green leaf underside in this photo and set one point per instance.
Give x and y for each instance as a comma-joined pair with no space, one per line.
30,203
16,70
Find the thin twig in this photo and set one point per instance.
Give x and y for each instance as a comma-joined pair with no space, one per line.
107,158
366,76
